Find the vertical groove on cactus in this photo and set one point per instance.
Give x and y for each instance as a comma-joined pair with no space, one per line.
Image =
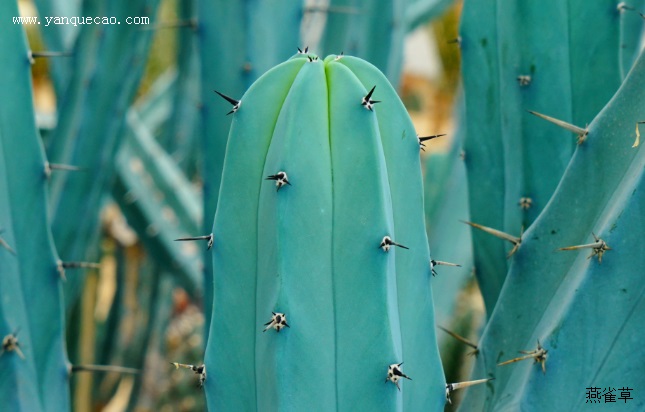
232,338
366,315
401,150
258,35
289,280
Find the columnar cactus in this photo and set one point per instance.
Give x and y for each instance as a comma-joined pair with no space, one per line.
511,65
320,227
238,41
33,358
573,298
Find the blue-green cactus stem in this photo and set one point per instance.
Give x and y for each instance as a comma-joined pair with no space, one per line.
305,206
584,312
511,64
320,186
257,36
364,281
232,339
59,38
412,267
31,302
19,379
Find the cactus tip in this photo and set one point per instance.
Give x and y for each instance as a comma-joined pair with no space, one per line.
525,203
598,247
539,355
80,265
198,369
622,6
461,339
46,54
516,241
61,266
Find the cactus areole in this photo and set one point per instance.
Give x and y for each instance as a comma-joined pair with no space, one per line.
311,310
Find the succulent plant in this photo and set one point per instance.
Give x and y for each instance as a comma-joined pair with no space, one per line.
446,184
91,123
95,84
322,285
33,360
238,41
159,203
573,298
320,226
512,64
181,130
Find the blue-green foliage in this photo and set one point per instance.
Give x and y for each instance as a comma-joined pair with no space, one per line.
181,131
446,194
33,376
585,313
562,59
159,203
91,124
311,249
238,42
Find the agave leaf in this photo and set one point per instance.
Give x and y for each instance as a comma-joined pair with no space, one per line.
566,300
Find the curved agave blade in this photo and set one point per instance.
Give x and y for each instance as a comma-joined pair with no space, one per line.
587,315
